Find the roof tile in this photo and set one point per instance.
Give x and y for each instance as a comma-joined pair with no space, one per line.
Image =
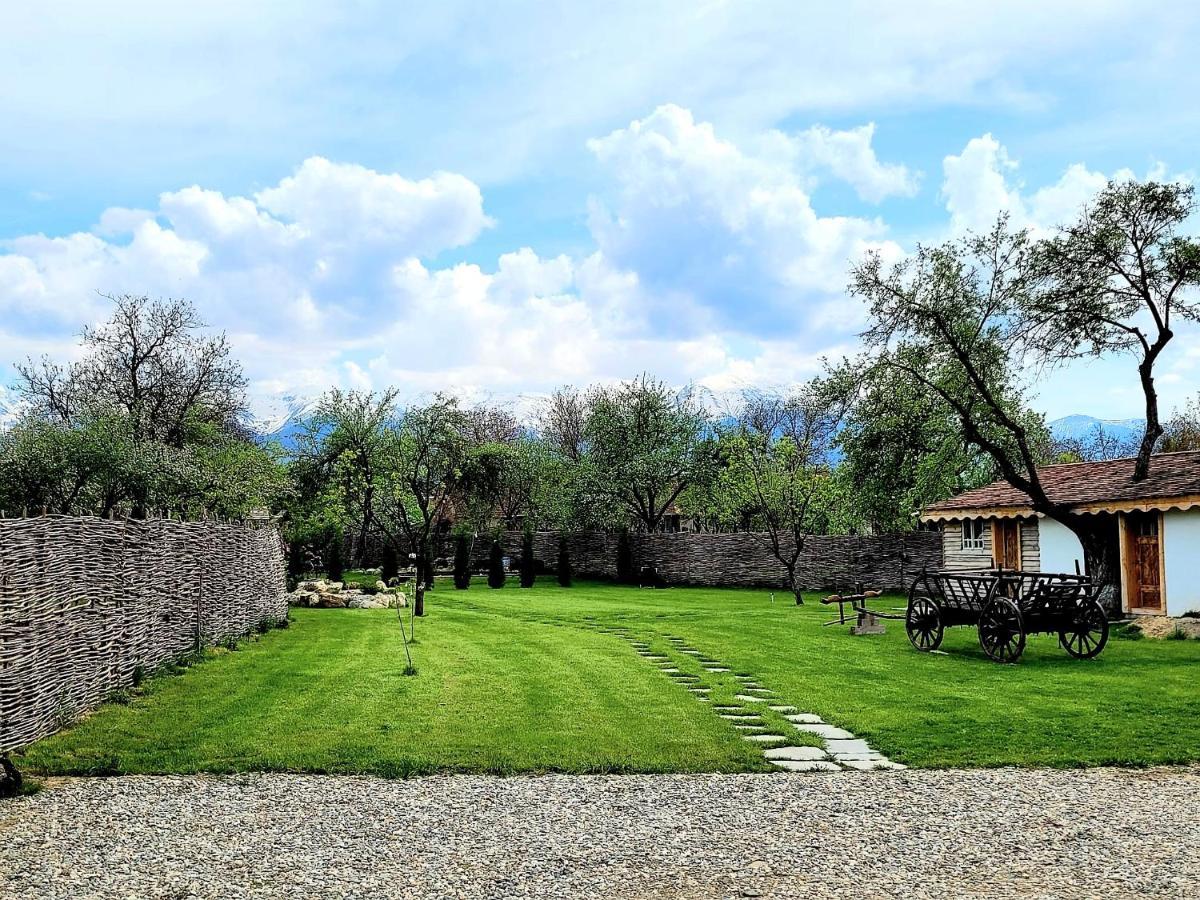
1172,475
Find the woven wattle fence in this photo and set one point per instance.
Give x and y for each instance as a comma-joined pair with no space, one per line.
87,602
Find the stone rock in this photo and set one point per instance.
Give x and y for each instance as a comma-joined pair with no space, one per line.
331,601
806,754
828,732
797,765
380,586
851,747
805,719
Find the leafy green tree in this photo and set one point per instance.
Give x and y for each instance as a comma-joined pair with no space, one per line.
778,460
643,444
1118,280
339,458
902,448
951,320
420,474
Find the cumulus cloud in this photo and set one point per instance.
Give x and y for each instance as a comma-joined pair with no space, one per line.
711,263
850,157
983,180
707,224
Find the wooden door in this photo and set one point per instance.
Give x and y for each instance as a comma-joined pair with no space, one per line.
1143,570
1006,543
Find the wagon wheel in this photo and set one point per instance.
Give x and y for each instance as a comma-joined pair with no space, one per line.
923,622
1001,631
1085,629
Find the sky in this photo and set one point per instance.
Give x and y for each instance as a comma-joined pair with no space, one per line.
495,199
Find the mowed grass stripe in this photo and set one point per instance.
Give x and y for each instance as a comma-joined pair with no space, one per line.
502,688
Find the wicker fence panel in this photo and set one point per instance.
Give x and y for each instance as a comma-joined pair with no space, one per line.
87,602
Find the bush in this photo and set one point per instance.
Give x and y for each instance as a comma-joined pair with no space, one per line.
528,569
624,558
389,564
334,567
564,562
496,574
462,561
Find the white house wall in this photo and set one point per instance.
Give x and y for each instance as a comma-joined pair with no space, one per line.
1181,558
1060,549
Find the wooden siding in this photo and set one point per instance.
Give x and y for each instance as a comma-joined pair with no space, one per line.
1031,550
956,558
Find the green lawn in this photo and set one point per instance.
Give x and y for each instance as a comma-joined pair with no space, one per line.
535,680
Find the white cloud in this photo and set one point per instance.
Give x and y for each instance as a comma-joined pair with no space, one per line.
340,201
711,264
710,226
849,156
983,180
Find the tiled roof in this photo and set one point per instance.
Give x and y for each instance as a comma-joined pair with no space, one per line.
1172,476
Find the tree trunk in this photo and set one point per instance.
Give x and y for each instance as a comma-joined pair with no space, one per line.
1098,537
1154,429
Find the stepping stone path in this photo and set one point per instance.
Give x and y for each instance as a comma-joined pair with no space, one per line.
841,750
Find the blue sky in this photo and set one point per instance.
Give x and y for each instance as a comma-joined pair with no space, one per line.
499,198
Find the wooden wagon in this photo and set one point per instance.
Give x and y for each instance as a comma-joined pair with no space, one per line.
1006,606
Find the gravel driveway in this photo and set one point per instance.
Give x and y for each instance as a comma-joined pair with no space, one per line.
990,833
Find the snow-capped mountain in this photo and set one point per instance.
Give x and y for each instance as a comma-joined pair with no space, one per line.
281,418
8,406
1088,428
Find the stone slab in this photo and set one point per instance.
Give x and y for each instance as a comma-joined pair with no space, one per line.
795,765
715,669
828,732
746,698
851,746
782,709
764,738
870,765
795,753
805,719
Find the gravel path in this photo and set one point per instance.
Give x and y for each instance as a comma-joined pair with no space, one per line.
991,833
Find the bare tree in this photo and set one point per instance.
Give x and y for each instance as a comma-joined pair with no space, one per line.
150,363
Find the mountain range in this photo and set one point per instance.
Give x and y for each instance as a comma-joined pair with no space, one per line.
284,420
1088,428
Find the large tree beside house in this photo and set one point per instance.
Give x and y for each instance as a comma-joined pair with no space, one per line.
971,320
949,319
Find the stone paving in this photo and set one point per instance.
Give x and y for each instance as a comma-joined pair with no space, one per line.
841,750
